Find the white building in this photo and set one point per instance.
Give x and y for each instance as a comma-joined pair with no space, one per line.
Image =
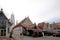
4,24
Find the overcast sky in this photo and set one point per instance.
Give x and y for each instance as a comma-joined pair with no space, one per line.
37,10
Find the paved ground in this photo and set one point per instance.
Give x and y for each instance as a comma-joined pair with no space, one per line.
38,38
41,38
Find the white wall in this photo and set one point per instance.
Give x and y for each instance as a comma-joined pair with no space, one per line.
16,32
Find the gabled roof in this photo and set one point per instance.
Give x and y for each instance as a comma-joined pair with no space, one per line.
2,13
22,22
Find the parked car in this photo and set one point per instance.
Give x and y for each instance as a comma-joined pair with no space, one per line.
37,34
46,33
56,35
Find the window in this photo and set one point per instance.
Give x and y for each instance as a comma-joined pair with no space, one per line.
2,22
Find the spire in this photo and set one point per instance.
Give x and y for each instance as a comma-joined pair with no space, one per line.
12,19
16,21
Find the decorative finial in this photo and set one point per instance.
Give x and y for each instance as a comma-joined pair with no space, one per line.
1,9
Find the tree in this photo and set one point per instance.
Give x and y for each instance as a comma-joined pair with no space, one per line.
35,26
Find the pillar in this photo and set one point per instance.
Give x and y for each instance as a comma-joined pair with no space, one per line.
43,34
7,35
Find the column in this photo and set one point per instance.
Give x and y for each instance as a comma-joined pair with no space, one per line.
44,29
49,26
7,35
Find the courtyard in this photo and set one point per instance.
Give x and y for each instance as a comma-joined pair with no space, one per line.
42,38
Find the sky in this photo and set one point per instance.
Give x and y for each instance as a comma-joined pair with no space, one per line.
37,10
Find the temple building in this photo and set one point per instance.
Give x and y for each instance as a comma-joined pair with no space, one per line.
22,26
5,24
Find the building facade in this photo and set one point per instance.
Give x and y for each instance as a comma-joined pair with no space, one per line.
22,27
54,27
4,24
